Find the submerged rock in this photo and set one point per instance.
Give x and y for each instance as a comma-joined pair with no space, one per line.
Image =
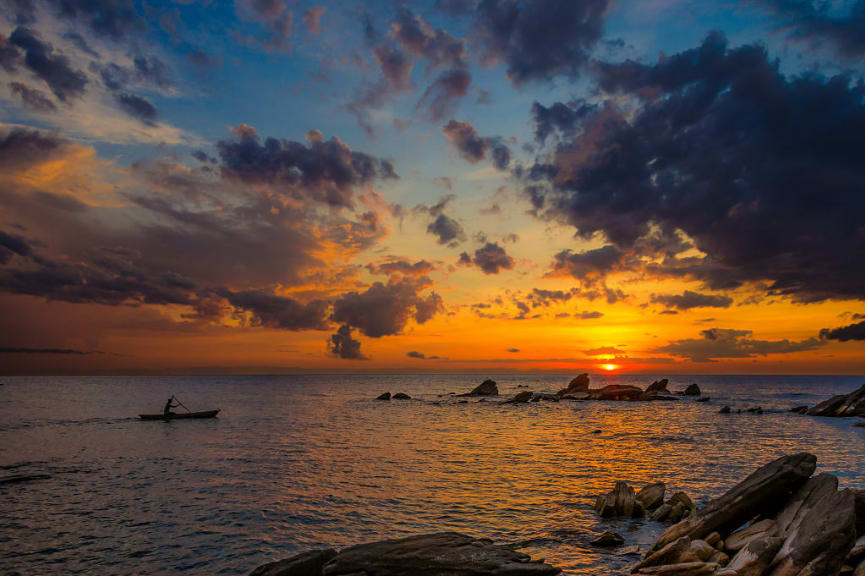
441,554
724,410
852,404
765,490
401,396
385,396
305,564
799,409
607,540
486,388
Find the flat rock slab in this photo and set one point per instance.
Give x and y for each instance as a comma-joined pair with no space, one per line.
440,554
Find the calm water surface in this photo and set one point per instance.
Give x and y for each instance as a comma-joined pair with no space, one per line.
295,462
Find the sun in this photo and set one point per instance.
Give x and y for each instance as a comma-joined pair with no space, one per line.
609,367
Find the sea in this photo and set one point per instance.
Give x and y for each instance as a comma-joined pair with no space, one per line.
296,462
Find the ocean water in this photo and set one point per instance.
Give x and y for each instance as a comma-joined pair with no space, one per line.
298,462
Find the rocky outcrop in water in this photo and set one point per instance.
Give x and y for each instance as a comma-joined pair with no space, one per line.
616,392
486,388
521,397
852,404
578,385
401,396
622,500
441,554
779,521
385,396
692,390
659,386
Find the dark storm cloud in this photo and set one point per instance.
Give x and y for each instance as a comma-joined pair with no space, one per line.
270,310
10,245
81,44
844,333
590,263
446,229
560,118
23,147
49,65
421,356
443,95
323,170
31,98
419,39
762,171
113,19
817,23
10,56
688,299
385,309
137,107
719,343
539,39
474,148
492,259
541,297
419,268
342,345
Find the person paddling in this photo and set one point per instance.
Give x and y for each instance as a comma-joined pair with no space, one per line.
168,406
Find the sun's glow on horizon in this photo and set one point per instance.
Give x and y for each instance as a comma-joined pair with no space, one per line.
609,367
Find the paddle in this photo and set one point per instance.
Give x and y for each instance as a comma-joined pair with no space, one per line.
181,403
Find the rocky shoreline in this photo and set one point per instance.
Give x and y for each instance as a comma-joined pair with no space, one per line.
782,520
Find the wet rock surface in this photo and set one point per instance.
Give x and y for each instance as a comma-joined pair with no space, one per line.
486,388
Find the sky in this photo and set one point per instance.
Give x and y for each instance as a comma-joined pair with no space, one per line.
651,186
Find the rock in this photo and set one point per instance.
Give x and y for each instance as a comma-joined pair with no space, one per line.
385,396
442,554
652,495
820,529
548,397
616,392
852,404
680,507
521,397
661,513
765,490
682,550
19,478
754,558
724,410
859,424
859,495
714,540
739,539
305,564
684,569
607,540
692,390
656,396
857,553
659,386
704,399
580,384
486,388
755,410
799,409
621,501
628,551
401,396
860,569
719,558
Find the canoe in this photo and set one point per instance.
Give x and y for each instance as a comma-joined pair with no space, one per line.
180,416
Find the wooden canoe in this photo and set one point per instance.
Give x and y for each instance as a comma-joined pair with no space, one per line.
180,416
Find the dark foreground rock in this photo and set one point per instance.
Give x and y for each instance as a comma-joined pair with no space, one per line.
578,385
779,521
692,390
616,392
385,396
401,396
852,404
608,540
620,501
659,386
521,397
441,554
486,388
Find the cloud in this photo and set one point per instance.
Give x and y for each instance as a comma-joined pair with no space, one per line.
61,351
758,169
817,24
270,310
604,351
32,98
473,148
541,297
717,343
589,315
689,299
21,148
422,356
419,39
539,39
385,309
145,72
844,333
312,19
274,15
326,171
442,97
342,345
137,107
11,245
419,268
446,229
49,65
589,264
492,259
112,19
559,118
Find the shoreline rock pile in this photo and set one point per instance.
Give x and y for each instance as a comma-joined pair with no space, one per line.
623,501
439,554
841,406
779,521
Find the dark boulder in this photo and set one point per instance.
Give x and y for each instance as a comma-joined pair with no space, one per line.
621,501
652,495
659,386
305,564
616,392
755,557
385,396
799,409
692,390
852,404
521,397
763,492
486,388
724,410
578,385
607,540
401,396
442,554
